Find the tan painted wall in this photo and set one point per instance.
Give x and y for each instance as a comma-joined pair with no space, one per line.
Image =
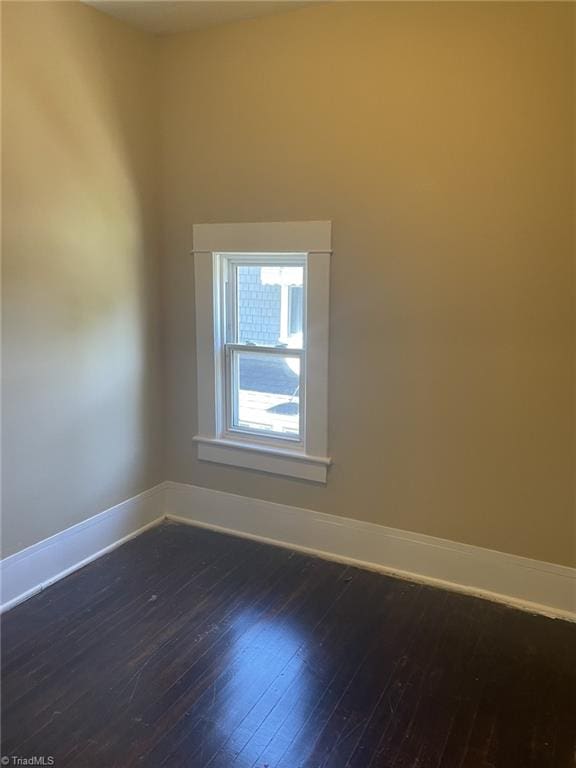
438,137
80,407
574,279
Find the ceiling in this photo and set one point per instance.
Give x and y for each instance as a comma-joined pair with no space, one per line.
163,17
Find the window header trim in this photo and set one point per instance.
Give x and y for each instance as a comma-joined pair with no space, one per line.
296,237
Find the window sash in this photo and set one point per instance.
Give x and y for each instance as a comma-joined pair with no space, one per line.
232,392
231,262
261,348
230,332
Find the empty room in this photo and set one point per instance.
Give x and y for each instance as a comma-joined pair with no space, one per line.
288,384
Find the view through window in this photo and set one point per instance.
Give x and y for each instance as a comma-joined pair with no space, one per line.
265,345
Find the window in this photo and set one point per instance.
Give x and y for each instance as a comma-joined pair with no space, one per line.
262,345
262,360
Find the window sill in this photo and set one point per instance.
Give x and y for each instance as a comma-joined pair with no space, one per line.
263,458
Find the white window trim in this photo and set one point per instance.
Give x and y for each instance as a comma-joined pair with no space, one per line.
309,459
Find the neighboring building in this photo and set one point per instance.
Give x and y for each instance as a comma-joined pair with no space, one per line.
271,305
259,321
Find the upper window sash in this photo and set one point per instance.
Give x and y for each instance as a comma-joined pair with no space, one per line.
229,264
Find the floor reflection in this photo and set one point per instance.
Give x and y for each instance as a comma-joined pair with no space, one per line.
268,691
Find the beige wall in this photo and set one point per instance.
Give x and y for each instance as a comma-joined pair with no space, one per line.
439,140
80,407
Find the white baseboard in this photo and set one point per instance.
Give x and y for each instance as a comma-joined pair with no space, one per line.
527,584
36,567
531,585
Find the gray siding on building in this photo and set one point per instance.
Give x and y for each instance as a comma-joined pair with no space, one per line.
259,308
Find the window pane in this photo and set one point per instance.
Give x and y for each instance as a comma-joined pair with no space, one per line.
295,299
266,393
265,314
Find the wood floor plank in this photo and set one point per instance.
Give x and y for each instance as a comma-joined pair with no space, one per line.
257,655
159,619
187,647
102,645
116,581
305,673
163,670
291,670
193,675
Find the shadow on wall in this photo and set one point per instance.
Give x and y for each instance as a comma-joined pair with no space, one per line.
78,270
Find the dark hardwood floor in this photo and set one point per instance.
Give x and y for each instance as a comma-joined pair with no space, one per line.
190,648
